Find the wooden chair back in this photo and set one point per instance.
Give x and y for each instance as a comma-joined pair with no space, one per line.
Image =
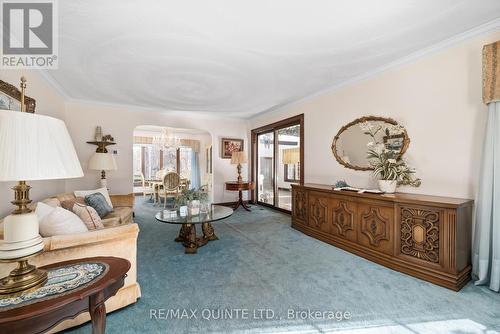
171,181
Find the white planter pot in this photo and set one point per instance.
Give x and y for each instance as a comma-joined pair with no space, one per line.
194,207
387,186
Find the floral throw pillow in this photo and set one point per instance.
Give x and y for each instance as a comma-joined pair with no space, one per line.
99,203
88,215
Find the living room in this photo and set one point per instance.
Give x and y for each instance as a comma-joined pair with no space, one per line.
250,167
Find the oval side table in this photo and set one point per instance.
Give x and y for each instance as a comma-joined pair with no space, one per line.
73,287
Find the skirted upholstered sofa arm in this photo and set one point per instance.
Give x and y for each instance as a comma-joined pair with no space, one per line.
123,200
91,237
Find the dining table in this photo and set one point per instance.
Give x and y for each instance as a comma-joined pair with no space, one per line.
156,185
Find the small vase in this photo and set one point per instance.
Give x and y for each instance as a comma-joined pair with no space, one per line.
387,186
204,207
194,207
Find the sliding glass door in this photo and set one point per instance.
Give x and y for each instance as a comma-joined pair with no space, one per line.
288,165
265,168
277,153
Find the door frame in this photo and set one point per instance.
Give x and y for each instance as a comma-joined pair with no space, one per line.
273,127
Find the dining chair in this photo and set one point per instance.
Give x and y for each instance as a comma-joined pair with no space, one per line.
146,187
185,182
171,185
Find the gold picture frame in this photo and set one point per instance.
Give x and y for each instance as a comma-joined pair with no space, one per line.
10,98
230,145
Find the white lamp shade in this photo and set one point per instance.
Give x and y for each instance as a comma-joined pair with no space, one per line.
102,161
35,147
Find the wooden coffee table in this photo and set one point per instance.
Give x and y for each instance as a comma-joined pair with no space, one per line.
90,282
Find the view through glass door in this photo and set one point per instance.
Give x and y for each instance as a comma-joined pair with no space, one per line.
265,168
277,153
288,165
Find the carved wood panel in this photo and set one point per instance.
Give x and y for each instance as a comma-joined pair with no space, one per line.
376,227
419,236
318,211
342,218
300,205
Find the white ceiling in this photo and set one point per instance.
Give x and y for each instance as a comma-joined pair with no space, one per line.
240,58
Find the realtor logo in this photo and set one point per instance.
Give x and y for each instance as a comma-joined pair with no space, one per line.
29,34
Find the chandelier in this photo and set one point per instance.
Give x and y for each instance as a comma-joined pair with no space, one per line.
166,140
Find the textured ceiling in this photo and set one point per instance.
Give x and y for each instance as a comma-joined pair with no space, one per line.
240,58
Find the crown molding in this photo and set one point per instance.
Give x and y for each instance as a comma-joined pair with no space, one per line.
54,84
411,58
135,108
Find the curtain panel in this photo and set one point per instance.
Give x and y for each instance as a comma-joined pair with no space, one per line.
486,247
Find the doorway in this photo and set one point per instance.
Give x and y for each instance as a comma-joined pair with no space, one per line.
277,162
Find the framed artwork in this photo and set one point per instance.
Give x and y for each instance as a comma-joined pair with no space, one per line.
394,142
10,98
229,146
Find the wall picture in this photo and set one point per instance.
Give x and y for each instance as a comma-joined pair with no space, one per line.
229,146
10,98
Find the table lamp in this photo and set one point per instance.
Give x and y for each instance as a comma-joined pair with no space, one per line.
103,162
291,156
32,147
238,158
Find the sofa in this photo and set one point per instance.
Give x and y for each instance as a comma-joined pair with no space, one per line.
118,238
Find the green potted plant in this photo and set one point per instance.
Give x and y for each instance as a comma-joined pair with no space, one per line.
388,165
191,198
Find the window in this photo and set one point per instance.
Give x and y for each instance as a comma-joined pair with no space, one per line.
292,173
185,155
148,159
170,159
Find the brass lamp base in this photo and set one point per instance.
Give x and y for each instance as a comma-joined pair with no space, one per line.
240,179
25,277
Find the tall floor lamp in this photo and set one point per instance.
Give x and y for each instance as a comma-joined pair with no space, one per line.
32,147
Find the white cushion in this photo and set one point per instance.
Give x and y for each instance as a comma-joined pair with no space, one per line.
103,191
42,210
61,221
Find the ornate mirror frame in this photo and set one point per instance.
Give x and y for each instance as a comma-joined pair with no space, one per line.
15,93
406,140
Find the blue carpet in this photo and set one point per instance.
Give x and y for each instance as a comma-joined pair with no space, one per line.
260,262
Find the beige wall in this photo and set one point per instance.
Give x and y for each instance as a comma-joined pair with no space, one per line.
81,120
437,98
48,102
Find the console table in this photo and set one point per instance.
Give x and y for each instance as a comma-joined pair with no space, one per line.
73,287
428,237
240,187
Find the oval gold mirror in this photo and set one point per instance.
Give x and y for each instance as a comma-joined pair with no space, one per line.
351,143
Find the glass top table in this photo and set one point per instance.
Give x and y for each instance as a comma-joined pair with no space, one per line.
187,233
217,212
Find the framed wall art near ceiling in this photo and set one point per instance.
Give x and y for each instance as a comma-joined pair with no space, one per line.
10,98
230,145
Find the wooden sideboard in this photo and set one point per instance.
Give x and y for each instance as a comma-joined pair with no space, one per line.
427,237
